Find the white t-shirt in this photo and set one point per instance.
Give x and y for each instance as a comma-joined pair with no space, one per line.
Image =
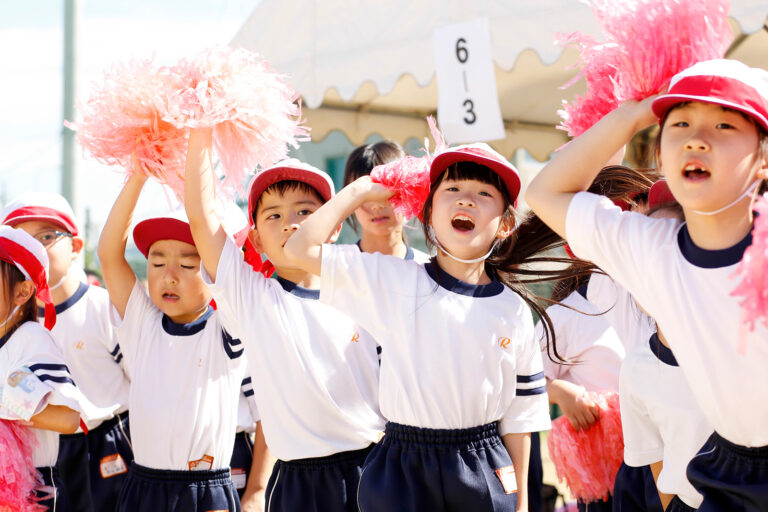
454,355
87,339
31,348
185,386
314,371
410,254
687,290
660,418
587,341
247,409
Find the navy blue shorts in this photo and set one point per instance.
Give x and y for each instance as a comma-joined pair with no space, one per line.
160,490
678,505
94,467
320,484
416,468
635,490
242,458
52,494
535,475
729,476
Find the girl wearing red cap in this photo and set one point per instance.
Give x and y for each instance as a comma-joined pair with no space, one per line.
36,384
461,372
713,150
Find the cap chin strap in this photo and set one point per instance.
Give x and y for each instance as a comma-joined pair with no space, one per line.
732,203
433,239
61,281
10,316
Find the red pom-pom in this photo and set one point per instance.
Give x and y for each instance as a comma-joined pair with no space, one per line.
753,272
253,258
646,43
18,476
588,460
409,178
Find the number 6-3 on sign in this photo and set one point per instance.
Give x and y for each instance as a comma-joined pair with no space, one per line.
468,105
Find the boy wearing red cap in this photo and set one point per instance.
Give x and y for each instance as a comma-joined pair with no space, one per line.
315,373
186,370
93,467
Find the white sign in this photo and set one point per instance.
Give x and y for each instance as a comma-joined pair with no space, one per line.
468,104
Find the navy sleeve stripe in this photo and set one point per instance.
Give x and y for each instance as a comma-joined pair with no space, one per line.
49,367
530,378
248,393
114,352
54,378
533,391
246,380
119,358
229,343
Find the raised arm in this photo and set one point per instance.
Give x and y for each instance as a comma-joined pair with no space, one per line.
118,275
305,246
199,200
574,167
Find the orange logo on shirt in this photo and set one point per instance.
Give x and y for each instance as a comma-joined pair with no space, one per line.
79,345
356,337
200,364
504,342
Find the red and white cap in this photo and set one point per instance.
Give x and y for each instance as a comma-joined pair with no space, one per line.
725,82
288,170
660,194
482,154
40,206
175,226
20,249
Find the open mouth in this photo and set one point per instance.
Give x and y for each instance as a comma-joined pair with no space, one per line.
377,220
462,223
695,172
170,296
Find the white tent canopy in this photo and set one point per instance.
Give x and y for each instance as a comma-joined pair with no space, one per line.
366,67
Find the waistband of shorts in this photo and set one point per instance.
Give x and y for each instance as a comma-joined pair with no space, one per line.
439,436
759,452
353,456
168,475
104,425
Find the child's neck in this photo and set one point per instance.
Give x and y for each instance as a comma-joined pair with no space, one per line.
472,273
721,231
661,337
299,277
391,244
65,290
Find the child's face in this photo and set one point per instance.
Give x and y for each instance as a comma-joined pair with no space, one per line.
378,219
278,218
709,155
174,281
466,215
61,246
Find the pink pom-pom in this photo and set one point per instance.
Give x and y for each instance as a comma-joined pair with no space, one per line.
646,43
588,460
408,177
123,120
753,271
18,476
255,115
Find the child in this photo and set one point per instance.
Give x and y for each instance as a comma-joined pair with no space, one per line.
382,228
93,467
36,384
461,373
315,373
186,371
713,152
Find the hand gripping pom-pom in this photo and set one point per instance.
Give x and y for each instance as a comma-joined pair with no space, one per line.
646,43
753,272
18,476
409,178
588,460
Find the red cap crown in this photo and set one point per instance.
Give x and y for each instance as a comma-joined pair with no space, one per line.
660,194
725,82
40,206
482,154
21,250
288,170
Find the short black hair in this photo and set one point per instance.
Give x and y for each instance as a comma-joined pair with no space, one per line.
281,187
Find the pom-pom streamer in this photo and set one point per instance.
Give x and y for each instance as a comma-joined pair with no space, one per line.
18,476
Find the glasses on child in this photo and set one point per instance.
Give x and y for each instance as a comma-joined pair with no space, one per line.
48,238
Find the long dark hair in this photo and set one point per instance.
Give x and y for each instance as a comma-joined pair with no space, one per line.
511,260
11,277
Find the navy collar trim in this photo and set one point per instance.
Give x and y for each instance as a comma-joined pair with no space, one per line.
704,258
188,329
408,251
5,338
450,283
298,291
582,290
664,354
60,308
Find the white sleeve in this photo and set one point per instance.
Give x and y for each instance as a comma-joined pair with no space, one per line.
363,286
552,370
619,309
129,328
239,291
643,444
529,410
108,332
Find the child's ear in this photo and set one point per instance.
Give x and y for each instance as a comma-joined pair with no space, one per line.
506,228
77,246
255,239
23,292
335,235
